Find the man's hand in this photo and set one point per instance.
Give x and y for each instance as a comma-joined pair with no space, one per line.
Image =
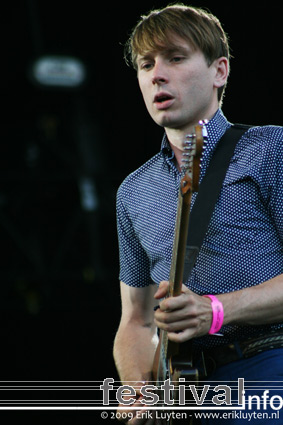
185,316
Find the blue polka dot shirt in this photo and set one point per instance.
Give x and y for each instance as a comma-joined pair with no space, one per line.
243,245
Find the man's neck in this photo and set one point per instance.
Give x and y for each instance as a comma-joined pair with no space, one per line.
176,138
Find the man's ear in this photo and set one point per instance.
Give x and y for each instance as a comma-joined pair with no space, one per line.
221,71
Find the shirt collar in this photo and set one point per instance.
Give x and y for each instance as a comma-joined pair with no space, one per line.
165,146
216,127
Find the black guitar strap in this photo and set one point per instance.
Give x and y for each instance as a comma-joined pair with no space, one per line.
208,193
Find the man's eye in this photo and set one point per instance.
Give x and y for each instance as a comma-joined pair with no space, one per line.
177,58
146,65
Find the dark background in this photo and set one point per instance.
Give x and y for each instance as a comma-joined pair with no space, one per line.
59,302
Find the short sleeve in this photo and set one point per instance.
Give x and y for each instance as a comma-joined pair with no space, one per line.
134,263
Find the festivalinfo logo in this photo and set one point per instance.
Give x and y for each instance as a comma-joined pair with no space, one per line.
193,396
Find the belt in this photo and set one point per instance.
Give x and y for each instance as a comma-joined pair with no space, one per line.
219,356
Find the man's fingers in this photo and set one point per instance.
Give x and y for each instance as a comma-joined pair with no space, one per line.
162,290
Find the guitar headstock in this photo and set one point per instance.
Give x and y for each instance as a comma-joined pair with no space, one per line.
192,153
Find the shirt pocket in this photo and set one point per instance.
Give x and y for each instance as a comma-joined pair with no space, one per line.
239,213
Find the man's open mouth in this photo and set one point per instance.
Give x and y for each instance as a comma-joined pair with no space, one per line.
162,97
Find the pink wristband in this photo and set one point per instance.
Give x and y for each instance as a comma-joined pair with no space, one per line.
217,314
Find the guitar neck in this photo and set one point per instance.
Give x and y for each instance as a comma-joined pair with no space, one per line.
179,247
189,184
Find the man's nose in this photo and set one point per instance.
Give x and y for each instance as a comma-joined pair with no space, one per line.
159,74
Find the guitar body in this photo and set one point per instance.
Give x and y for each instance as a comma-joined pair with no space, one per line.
184,372
174,361
176,366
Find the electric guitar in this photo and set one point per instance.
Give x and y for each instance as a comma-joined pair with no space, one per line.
172,360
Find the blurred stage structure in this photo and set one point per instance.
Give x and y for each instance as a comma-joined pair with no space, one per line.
59,259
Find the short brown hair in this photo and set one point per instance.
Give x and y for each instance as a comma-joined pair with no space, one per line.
202,29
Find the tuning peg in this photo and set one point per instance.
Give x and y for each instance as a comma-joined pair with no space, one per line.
203,125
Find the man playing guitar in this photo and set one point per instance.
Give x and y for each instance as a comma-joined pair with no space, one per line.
181,55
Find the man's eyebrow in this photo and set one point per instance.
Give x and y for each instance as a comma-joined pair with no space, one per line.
177,49
145,56
166,51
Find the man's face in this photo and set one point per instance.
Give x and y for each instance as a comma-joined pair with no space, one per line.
177,85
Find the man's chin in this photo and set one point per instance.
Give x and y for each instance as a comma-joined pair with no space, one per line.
168,122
